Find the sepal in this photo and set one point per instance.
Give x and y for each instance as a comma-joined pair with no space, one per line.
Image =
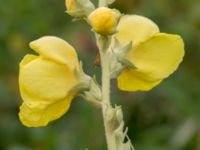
119,59
103,42
93,94
84,80
88,87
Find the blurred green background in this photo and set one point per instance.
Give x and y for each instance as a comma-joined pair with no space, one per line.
165,118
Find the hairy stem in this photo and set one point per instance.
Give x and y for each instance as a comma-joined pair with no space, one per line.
106,100
106,106
112,117
110,138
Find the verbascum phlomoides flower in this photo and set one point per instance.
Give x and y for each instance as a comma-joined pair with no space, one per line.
155,55
45,81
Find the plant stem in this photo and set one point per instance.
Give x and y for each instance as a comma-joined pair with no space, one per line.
110,138
105,78
102,3
106,106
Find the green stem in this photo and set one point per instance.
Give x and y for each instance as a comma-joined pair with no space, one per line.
102,3
106,106
105,78
110,138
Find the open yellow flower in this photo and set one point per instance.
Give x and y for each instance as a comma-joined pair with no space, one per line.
155,55
46,80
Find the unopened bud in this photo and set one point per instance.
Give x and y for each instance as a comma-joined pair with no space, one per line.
79,8
71,5
104,20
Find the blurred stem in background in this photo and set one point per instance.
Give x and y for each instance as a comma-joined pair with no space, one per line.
102,3
184,134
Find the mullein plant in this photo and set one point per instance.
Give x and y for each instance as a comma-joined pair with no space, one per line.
132,50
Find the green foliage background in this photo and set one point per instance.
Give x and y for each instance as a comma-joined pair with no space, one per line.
166,118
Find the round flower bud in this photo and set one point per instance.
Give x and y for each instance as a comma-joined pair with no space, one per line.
104,20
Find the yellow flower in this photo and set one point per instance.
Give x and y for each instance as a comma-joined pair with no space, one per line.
46,80
104,20
155,55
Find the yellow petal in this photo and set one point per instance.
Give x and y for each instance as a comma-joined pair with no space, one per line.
45,80
133,80
54,48
27,59
155,59
159,55
135,28
41,115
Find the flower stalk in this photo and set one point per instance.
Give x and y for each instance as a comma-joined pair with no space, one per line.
102,3
112,117
106,99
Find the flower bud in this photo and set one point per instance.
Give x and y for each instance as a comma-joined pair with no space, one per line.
71,5
79,8
104,20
